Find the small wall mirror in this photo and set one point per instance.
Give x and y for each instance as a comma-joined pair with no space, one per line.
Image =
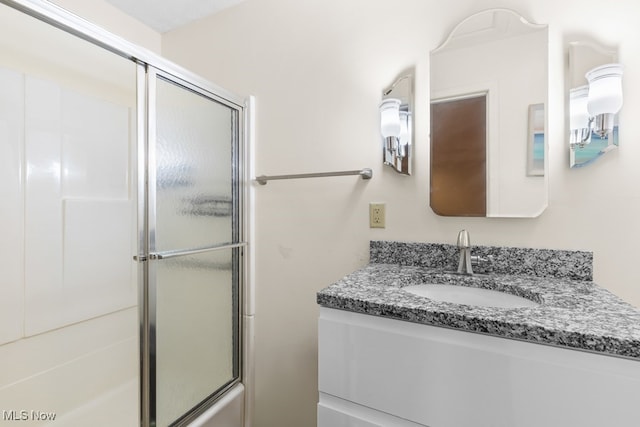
396,124
590,137
489,86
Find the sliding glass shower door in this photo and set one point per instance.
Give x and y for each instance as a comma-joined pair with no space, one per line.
193,270
82,114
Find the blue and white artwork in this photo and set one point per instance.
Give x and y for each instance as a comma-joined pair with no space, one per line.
536,141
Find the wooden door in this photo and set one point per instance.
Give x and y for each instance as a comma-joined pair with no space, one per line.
459,157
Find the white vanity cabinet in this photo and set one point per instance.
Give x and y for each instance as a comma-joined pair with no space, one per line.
376,371
336,412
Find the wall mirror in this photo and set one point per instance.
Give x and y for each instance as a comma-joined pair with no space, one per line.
590,136
396,124
489,86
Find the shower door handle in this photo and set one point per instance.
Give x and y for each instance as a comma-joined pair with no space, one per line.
195,251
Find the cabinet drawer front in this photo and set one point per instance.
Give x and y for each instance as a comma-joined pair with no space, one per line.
447,378
335,412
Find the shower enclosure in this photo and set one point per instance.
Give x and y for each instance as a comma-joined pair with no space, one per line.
194,247
123,227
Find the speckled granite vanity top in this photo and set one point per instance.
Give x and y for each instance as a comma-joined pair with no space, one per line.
574,312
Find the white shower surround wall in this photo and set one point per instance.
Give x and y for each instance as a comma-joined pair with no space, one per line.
78,334
79,208
70,214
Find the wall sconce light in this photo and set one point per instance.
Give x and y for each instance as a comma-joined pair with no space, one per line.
605,96
593,128
593,107
390,118
396,125
579,123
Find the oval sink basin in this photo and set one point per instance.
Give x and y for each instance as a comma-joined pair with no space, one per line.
470,296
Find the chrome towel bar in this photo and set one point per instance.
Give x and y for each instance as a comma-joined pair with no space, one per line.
364,173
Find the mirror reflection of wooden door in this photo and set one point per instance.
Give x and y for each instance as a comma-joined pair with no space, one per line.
459,157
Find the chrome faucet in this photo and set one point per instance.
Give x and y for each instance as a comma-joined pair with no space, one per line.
464,246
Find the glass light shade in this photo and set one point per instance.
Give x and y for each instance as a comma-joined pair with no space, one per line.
605,89
404,128
578,114
390,118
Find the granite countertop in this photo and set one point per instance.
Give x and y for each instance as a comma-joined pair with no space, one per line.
574,312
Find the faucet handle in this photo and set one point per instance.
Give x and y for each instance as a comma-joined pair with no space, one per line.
478,260
485,265
463,239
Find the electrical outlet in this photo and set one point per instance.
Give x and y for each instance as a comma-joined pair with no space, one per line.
376,215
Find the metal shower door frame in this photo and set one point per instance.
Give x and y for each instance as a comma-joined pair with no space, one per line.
146,61
147,77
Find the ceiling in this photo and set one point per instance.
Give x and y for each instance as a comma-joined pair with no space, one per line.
167,15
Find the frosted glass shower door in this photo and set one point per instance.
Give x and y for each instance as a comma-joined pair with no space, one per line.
194,249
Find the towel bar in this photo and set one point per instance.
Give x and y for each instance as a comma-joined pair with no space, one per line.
364,173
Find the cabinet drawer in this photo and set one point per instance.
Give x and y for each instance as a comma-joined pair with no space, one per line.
335,412
448,378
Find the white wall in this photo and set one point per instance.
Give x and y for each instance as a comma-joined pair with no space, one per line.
317,68
110,18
